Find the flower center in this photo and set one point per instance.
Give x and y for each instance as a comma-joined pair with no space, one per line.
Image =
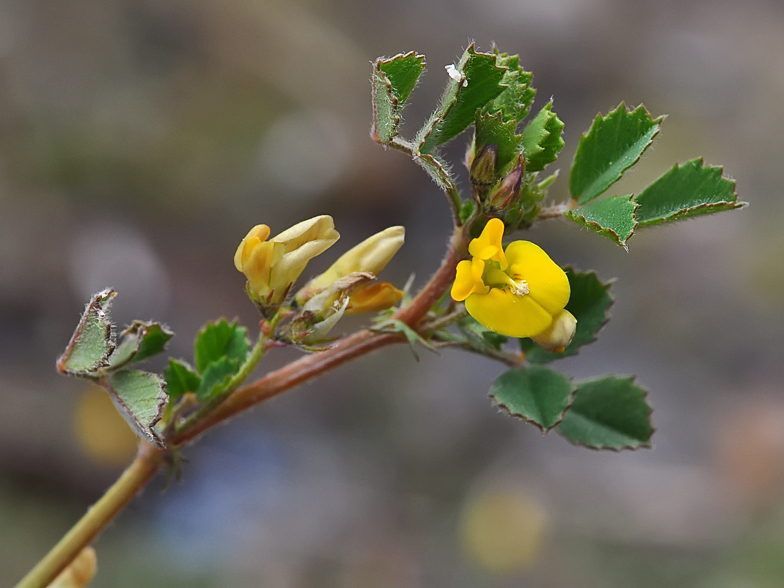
497,278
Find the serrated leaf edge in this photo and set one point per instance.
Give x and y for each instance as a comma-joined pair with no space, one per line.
609,233
152,437
533,422
646,445
103,314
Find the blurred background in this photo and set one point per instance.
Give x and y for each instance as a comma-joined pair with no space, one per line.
140,140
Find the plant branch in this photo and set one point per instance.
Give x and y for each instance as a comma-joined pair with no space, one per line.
141,471
555,211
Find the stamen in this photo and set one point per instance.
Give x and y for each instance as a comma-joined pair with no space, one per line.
519,288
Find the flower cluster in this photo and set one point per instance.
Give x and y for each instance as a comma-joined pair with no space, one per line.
273,266
517,292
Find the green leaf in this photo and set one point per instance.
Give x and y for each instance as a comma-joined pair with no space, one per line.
612,145
436,168
180,378
220,339
542,141
612,217
479,83
685,191
140,397
140,341
216,377
393,81
609,413
515,100
467,210
589,303
492,130
537,394
479,336
93,340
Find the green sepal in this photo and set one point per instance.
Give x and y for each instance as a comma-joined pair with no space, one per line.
542,141
515,101
491,129
216,378
613,144
589,302
685,191
610,412
140,397
180,378
139,341
537,394
220,339
480,82
480,337
467,210
396,326
93,340
613,217
393,81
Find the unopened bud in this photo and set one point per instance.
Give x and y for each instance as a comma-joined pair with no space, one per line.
507,191
482,169
559,334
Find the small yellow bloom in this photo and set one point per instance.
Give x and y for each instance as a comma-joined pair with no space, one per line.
368,257
516,292
373,297
273,266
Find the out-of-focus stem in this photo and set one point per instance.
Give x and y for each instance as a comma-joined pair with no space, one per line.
133,479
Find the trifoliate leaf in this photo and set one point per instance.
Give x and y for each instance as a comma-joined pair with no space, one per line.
535,393
613,144
518,95
609,413
215,379
393,81
180,378
473,83
542,140
220,339
589,302
612,217
492,130
93,340
685,191
140,341
140,397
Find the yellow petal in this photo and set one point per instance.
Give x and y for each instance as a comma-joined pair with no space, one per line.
466,279
260,233
373,298
547,283
371,255
514,316
488,245
559,334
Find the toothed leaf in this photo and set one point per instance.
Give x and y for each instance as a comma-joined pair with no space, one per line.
609,413
542,140
687,190
393,81
140,397
140,341
612,217
220,339
492,130
180,378
612,145
93,340
216,377
535,393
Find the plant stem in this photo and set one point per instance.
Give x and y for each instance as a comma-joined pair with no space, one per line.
150,459
141,471
555,211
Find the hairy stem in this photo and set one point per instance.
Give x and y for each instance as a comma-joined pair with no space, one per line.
141,471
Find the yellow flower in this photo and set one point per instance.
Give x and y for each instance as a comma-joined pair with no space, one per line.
273,266
516,292
370,256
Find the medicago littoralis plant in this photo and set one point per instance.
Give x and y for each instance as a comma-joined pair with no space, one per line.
495,294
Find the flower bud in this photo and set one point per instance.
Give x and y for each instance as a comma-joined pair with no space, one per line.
506,193
373,298
482,169
273,266
559,334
